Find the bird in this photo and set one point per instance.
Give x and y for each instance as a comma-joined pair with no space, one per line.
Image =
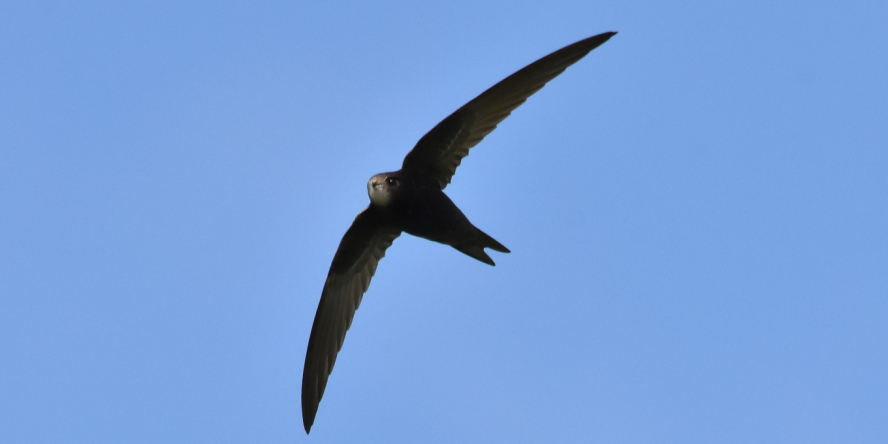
412,200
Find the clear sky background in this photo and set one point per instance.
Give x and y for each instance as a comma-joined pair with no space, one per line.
697,213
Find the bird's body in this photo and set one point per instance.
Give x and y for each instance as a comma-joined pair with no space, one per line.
412,200
419,207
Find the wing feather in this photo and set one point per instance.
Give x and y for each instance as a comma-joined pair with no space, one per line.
441,150
354,264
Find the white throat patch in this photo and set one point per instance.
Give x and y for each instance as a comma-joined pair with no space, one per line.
379,194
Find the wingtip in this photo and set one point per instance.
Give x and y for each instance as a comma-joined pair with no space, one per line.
595,41
307,423
308,415
605,36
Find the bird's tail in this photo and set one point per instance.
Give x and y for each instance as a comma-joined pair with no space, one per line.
476,248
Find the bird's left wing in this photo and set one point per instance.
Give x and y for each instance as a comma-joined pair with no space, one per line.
359,252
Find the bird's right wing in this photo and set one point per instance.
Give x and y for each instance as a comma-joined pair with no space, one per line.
442,149
359,252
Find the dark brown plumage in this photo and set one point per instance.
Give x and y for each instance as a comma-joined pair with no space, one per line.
412,200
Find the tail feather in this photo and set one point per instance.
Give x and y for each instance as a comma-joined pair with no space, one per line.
476,252
476,248
489,242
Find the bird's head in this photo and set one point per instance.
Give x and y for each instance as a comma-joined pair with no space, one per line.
382,187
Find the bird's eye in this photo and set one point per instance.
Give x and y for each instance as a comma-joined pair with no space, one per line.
391,181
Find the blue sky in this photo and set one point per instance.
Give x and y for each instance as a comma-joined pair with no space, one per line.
696,211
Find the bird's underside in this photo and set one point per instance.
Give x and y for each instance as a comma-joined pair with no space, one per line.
412,200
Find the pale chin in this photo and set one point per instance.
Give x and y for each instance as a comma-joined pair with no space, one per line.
379,196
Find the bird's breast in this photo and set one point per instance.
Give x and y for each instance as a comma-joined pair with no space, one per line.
435,217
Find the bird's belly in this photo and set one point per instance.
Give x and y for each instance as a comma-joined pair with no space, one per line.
447,227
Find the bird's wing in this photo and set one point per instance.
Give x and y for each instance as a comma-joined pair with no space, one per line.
441,150
359,252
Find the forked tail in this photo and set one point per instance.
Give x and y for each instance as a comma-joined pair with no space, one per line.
475,247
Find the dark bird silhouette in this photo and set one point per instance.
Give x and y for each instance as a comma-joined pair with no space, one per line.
412,200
